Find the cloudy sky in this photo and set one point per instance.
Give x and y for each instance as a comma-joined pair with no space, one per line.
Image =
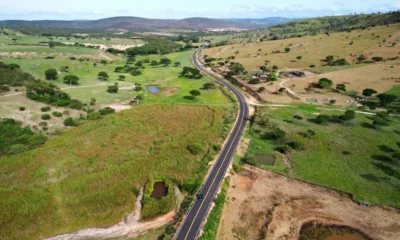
177,9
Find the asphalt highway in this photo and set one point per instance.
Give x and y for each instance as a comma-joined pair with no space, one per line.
191,225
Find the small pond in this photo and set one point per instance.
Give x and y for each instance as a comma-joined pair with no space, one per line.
159,190
153,89
265,159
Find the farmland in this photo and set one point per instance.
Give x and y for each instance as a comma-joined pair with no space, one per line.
79,189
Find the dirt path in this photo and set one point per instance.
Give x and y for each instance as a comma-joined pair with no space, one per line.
265,205
223,50
128,227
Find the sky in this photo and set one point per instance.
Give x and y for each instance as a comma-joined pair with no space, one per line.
178,9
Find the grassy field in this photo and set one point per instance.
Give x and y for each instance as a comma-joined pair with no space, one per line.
90,175
313,48
174,88
352,156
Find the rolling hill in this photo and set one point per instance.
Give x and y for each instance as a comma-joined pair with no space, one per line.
146,24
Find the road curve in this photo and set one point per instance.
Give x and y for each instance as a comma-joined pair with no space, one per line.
191,225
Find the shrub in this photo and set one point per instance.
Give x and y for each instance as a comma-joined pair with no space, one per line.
312,66
217,147
325,83
57,114
106,110
22,108
94,116
69,121
322,119
377,59
194,148
112,89
45,109
45,117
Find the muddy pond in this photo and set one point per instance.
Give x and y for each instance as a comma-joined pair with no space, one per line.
153,89
265,159
159,190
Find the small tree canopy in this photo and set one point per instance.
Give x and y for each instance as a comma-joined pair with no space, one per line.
195,93
51,74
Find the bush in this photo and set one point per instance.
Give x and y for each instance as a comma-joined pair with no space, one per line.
69,121
45,117
22,109
94,116
45,109
112,89
16,139
57,114
325,83
312,66
217,147
322,119
106,110
194,148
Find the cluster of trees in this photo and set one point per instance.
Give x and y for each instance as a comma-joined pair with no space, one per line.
17,139
347,116
11,75
186,39
49,93
338,62
154,45
193,73
236,69
113,88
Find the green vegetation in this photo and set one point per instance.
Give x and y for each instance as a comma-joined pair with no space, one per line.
128,148
16,139
154,45
152,206
210,229
347,152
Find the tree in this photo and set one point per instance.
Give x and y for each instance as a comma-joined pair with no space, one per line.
325,83
299,57
348,115
71,80
264,68
287,49
154,63
312,66
113,88
236,68
272,77
195,93
103,76
191,73
177,64
64,69
361,58
104,62
208,86
139,64
275,67
377,59
118,69
341,87
92,101
165,61
322,119
332,101
51,74
368,92
386,99
121,78
278,134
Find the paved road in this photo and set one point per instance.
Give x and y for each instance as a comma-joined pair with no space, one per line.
191,225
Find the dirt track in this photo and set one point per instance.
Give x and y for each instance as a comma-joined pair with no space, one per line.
264,205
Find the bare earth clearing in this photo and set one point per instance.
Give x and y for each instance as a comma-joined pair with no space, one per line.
265,205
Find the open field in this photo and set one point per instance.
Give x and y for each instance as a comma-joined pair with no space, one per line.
264,205
312,48
353,156
90,175
9,108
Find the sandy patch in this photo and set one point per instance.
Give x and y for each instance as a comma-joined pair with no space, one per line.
264,205
118,107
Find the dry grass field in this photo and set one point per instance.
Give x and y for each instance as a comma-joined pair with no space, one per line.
90,175
313,48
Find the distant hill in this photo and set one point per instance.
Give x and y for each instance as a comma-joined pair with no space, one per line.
146,24
336,23
271,21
